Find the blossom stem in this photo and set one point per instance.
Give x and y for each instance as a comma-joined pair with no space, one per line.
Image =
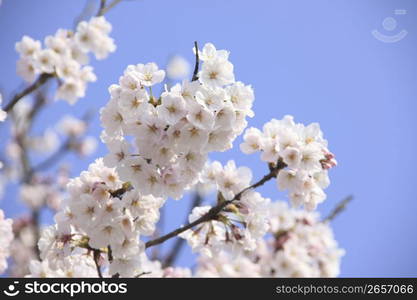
197,62
214,211
96,255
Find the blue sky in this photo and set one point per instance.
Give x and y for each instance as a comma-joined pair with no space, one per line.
316,60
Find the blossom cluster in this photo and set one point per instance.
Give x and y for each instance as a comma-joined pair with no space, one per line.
65,56
303,149
6,237
24,245
98,216
242,223
40,192
160,143
300,246
224,265
74,266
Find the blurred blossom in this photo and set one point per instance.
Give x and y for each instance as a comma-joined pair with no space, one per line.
13,151
53,201
87,146
33,195
6,237
178,68
2,185
71,126
48,142
22,108
41,193
62,176
22,247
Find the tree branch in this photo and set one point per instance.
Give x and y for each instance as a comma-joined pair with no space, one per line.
214,211
340,207
42,79
197,62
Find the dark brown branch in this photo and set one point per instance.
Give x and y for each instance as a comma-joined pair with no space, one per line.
179,243
214,211
96,255
340,207
42,79
197,62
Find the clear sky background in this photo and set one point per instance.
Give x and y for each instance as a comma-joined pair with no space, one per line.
316,60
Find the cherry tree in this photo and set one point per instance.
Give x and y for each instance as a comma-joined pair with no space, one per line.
158,149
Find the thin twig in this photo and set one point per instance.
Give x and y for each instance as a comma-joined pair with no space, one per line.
341,206
197,62
179,243
214,211
142,274
96,255
104,9
42,79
